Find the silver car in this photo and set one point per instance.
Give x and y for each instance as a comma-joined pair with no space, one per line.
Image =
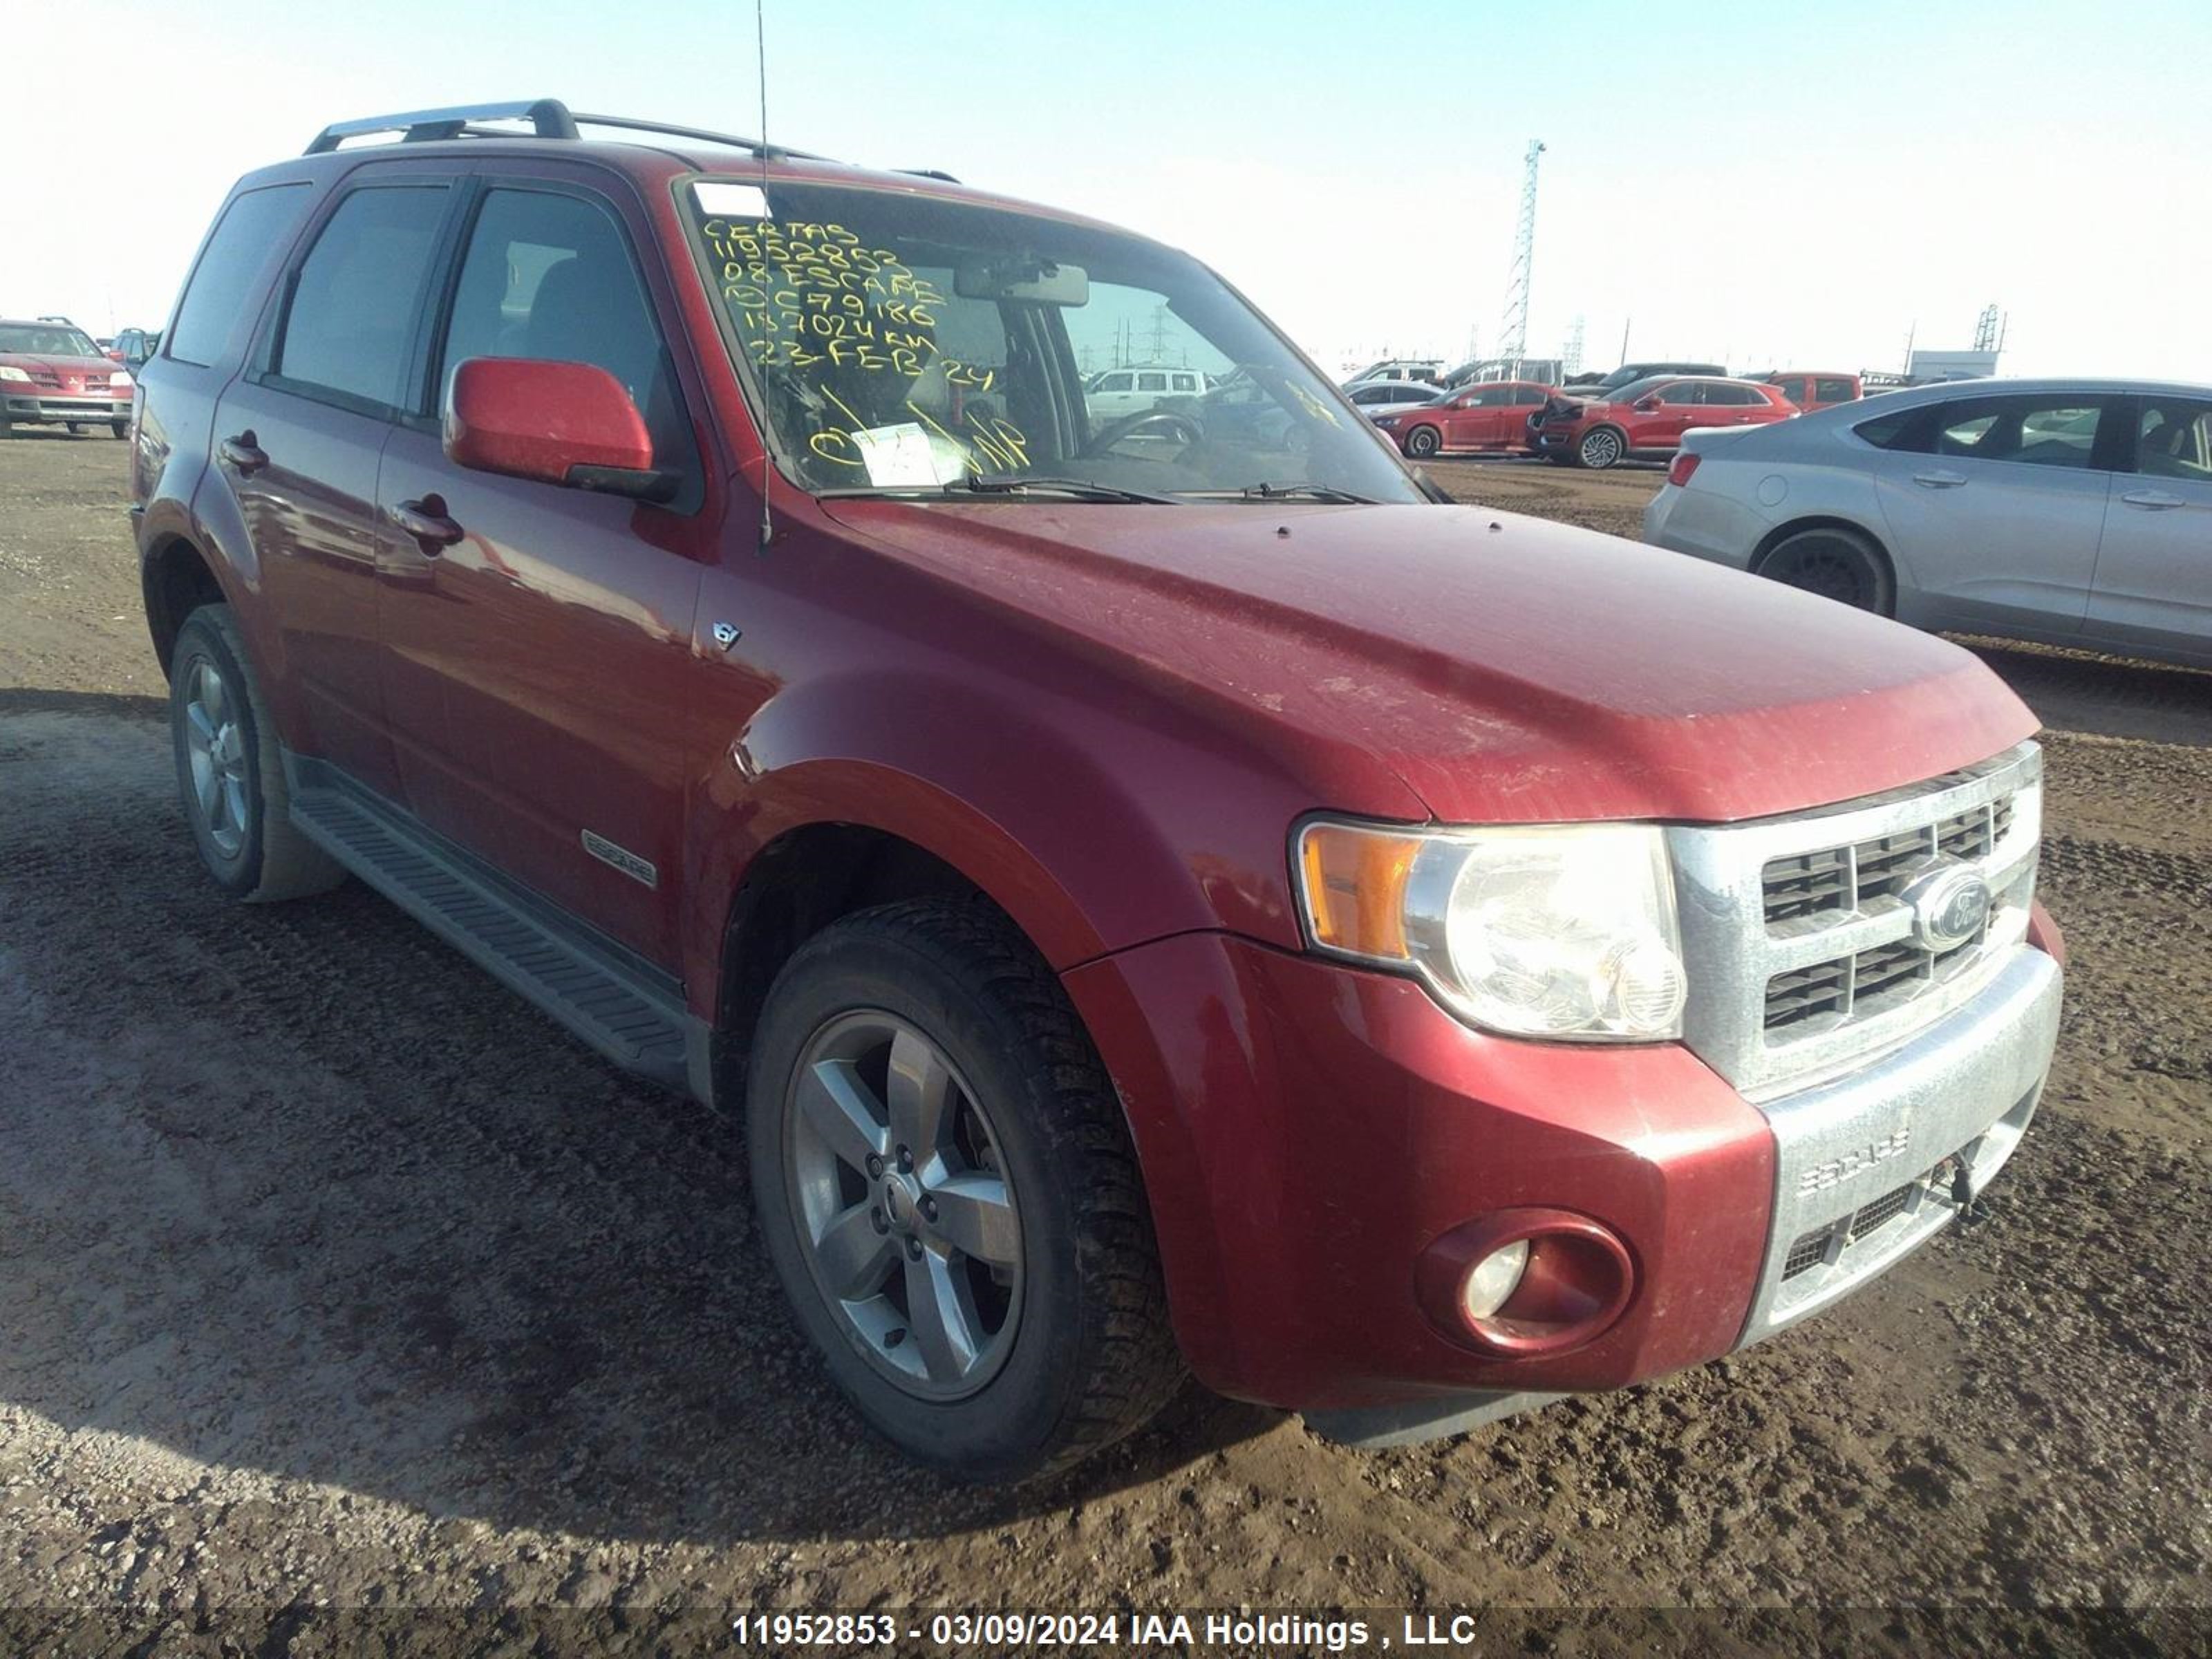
2073,511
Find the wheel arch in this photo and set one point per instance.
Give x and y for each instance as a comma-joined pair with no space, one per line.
176,579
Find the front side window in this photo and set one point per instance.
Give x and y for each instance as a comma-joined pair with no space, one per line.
550,277
2173,439
351,326
1681,393
901,342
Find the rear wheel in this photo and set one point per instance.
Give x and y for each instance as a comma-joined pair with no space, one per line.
1601,448
1423,441
948,1195
229,771
1836,563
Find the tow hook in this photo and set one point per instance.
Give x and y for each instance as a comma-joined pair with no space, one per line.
1973,1211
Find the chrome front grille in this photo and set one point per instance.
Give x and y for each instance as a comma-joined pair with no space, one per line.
1802,956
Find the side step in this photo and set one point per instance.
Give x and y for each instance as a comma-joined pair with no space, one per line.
629,1011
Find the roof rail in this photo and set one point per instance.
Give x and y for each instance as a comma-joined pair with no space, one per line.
549,117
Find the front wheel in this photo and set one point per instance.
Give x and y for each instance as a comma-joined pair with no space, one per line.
1836,564
1601,449
948,1193
1423,441
120,429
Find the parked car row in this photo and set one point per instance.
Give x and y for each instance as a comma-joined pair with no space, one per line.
2071,512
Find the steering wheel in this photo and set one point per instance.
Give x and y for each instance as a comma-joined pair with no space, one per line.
1129,425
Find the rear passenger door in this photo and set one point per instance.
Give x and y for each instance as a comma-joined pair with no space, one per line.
2152,586
299,437
538,666
1995,506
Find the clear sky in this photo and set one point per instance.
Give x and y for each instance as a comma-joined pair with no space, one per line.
1773,185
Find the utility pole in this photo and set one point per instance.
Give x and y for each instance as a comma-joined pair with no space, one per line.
1513,337
1625,327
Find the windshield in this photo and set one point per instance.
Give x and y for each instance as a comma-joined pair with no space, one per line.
899,343
46,340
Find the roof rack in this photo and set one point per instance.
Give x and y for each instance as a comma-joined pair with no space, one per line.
549,119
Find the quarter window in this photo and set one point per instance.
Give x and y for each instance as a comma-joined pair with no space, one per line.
251,229
351,326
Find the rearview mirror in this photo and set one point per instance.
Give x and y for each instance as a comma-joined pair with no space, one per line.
561,424
1020,276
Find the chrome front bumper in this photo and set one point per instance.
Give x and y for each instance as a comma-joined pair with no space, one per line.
1853,1157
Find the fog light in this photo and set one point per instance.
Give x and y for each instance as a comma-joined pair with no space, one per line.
1496,1277
1525,1283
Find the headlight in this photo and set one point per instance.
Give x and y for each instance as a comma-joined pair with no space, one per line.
7,373
120,380
1563,932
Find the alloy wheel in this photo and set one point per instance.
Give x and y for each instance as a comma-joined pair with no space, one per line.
1601,449
907,1214
214,745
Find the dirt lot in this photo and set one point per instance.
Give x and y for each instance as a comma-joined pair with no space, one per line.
331,1276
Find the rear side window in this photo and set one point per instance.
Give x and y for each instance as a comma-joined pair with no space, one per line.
253,228
351,326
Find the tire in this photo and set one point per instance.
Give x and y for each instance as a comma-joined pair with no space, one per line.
229,775
1423,441
120,429
1836,564
1601,447
1067,1346
1558,460
75,428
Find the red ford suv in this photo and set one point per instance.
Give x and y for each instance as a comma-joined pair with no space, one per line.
1645,419
51,373
1150,896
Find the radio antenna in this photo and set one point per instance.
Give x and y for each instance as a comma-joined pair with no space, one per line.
760,45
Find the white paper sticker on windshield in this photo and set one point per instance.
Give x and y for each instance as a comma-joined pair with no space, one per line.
731,201
897,456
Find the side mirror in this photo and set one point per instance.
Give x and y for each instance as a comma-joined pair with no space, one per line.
1645,405
560,424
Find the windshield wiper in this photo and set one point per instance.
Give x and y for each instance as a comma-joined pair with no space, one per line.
1275,492
1081,490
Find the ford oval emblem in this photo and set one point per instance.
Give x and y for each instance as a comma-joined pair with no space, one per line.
1950,902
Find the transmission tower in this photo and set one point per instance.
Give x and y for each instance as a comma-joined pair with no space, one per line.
1513,337
1571,358
1988,332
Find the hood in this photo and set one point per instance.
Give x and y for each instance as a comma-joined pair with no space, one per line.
42,365
1506,669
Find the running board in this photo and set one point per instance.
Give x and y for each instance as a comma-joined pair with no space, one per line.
629,1011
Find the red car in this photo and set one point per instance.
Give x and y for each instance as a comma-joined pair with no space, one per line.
1152,898
1646,419
1812,389
1491,416
53,374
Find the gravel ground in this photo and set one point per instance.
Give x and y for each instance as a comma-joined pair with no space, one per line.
332,1277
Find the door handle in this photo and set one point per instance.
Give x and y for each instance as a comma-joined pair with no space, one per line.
245,452
2152,501
1939,480
426,521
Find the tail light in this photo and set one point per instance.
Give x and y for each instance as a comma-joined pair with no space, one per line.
1685,465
